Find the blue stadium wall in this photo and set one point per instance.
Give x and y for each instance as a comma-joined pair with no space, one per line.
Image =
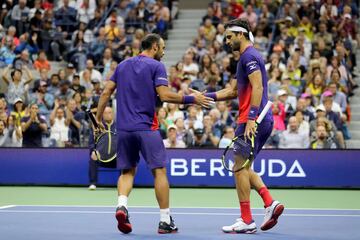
191,168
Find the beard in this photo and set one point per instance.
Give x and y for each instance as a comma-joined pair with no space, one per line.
236,46
158,56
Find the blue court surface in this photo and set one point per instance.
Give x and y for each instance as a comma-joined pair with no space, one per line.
98,222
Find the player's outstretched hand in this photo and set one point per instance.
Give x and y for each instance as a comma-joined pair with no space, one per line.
201,99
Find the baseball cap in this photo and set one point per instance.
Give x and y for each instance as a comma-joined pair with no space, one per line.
320,108
18,100
281,92
305,95
70,65
95,80
347,15
327,94
43,83
76,75
199,131
172,126
288,18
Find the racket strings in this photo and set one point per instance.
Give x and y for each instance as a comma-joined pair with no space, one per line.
106,146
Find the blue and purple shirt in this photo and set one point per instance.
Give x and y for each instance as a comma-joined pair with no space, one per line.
136,80
250,61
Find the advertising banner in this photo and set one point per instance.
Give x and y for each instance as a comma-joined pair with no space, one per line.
187,167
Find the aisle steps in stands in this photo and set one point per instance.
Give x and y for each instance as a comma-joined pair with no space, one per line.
354,126
180,37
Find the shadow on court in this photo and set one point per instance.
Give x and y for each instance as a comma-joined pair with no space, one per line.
80,223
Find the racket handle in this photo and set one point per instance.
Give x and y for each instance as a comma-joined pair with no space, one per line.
264,112
92,118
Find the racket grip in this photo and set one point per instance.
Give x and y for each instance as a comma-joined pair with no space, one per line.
92,118
263,112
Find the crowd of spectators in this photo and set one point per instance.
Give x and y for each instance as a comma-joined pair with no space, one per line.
89,38
309,47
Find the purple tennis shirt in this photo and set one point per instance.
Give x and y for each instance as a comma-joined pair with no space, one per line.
136,80
250,61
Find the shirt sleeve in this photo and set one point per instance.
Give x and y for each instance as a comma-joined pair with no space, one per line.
160,78
115,75
250,64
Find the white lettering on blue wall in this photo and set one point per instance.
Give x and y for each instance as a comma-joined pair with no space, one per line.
201,167
195,164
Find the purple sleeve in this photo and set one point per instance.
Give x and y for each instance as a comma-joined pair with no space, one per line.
114,77
250,63
161,76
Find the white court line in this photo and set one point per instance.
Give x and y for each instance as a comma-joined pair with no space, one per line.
178,213
7,206
155,207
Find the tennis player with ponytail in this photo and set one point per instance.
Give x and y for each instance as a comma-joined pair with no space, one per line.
251,90
138,80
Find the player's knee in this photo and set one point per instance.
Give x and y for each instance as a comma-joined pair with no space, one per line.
130,171
159,172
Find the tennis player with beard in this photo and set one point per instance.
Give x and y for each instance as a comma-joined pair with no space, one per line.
251,90
138,80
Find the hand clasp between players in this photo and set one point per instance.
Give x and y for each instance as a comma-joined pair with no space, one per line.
201,99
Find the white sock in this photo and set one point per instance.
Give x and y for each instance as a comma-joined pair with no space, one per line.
122,201
165,215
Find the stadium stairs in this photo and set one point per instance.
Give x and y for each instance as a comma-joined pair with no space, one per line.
183,32
354,125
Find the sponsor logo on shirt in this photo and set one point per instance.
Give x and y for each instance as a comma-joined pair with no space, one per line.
252,67
251,62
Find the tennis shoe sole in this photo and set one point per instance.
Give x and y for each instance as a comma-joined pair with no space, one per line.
123,225
278,210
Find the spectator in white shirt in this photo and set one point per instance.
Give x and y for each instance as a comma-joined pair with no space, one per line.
94,74
172,141
59,125
304,127
292,138
229,134
190,68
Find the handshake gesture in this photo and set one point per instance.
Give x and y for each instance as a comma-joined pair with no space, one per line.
201,99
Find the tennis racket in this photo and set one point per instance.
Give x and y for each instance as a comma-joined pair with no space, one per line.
105,142
247,149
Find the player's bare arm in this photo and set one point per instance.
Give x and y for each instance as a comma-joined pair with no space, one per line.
223,94
110,87
166,95
255,79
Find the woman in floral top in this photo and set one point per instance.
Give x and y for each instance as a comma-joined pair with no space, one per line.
16,86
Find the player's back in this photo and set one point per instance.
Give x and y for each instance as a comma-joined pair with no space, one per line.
137,79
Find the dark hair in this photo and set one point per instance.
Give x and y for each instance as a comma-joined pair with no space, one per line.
13,72
336,84
335,70
240,22
149,40
55,75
